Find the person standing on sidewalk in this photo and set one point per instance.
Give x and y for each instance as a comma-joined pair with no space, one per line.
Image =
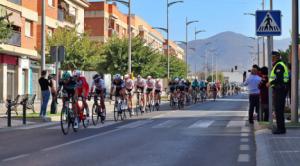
279,78
53,93
264,94
253,82
44,84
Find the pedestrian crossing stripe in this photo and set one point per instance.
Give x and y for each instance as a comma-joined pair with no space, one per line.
268,24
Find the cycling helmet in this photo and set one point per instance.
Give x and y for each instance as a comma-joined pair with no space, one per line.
77,73
126,76
96,76
66,75
149,77
157,80
176,79
117,76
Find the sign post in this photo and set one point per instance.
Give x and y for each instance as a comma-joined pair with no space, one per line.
268,23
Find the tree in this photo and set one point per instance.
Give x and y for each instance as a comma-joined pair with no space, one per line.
81,52
145,60
5,26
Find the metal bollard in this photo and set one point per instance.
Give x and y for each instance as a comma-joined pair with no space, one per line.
9,113
24,111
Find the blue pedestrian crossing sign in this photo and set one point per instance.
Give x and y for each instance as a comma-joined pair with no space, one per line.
268,23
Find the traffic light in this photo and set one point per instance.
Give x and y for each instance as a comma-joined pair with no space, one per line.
235,67
231,70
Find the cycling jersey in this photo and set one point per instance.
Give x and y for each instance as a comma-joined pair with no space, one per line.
150,84
158,86
140,83
119,84
195,84
68,87
98,84
129,84
82,86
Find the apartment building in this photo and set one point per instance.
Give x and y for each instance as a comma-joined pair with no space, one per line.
102,20
19,56
174,49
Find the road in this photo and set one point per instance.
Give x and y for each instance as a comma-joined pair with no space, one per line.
205,134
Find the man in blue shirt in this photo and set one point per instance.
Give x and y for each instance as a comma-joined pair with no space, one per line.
253,82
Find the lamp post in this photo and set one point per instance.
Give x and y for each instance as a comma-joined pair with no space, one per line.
169,4
258,48
187,23
263,58
197,32
127,4
43,36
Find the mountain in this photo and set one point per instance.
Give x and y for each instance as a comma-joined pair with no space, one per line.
231,49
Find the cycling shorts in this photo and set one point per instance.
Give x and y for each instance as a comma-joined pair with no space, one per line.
148,90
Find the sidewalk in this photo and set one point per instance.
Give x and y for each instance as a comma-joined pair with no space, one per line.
278,150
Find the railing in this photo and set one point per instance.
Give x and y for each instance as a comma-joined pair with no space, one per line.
63,16
15,1
15,39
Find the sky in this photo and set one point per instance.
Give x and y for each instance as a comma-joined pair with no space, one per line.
214,16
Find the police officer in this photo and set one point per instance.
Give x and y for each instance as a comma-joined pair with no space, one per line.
278,80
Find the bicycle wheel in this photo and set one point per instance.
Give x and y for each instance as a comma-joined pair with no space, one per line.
85,120
157,106
95,117
65,120
116,113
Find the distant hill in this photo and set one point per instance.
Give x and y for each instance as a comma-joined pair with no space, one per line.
232,49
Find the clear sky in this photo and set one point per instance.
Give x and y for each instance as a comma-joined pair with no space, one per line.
214,16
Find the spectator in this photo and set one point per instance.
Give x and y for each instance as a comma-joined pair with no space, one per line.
264,93
44,84
252,82
53,93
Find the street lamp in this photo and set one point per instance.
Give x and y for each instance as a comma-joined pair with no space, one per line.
187,23
196,32
169,4
252,14
258,49
127,4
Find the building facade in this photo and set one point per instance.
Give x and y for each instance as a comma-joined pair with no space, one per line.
103,20
19,55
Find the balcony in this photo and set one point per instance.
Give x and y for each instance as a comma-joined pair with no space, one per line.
15,1
15,39
65,17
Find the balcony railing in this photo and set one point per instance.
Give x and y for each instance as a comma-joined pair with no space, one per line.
15,39
15,1
64,16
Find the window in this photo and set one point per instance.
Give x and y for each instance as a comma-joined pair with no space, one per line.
51,3
28,28
50,31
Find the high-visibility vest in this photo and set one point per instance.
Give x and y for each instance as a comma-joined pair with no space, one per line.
285,74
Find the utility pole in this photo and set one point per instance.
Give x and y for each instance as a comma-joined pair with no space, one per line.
270,49
263,38
43,35
295,62
129,36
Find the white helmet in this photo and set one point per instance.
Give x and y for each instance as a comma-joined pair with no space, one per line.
126,76
157,80
77,73
149,77
176,79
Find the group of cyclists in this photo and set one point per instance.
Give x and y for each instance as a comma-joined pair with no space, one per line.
75,87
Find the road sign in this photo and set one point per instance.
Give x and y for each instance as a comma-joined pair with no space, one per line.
268,23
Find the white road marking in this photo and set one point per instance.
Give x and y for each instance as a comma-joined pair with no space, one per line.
244,134
233,123
15,157
244,147
79,140
201,124
243,158
244,140
287,151
245,129
167,124
136,124
100,125
38,125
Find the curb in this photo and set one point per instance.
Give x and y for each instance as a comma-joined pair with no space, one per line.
263,149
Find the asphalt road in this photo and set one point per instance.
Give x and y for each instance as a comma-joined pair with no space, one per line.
205,134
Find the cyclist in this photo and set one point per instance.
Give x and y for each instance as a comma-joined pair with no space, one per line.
140,87
82,89
149,89
157,91
129,85
181,89
68,86
98,84
119,86
195,88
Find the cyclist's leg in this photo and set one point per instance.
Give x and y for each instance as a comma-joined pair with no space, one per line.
102,98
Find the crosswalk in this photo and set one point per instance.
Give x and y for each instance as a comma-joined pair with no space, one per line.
172,123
